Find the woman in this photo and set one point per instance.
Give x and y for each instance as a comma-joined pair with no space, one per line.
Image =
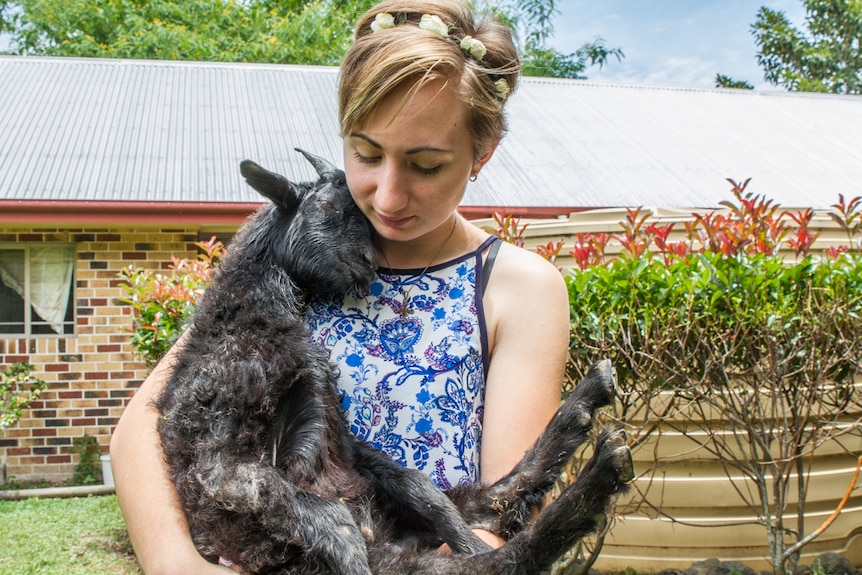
445,365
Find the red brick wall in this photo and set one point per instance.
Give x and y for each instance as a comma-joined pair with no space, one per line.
92,374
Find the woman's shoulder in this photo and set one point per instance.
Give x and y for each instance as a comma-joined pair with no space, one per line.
523,267
524,290
526,297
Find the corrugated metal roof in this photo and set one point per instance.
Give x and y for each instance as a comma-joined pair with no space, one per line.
156,131
622,145
92,129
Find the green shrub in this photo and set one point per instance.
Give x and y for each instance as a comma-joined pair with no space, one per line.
719,323
18,389
162,304
695,314
88,470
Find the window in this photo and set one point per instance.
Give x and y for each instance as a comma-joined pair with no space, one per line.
37,289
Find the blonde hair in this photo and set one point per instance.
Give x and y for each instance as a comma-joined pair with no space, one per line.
378,63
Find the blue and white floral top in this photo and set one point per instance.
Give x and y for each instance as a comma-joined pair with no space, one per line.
414,386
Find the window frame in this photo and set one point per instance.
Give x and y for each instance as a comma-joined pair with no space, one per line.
70,320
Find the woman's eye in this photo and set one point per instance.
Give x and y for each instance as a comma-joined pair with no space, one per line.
365,159
427,171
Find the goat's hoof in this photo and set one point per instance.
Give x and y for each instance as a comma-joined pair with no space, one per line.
599,387
625,465
604,367
621,455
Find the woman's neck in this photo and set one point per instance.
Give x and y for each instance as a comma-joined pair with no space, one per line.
451,239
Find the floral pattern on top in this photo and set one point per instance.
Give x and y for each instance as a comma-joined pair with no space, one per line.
413,386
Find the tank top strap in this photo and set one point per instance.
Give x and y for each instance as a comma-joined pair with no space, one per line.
489,259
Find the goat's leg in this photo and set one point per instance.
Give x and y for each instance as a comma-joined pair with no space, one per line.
507,505
579,509
575,513
324,530
412,495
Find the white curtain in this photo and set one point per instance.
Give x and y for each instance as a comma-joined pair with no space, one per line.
51,271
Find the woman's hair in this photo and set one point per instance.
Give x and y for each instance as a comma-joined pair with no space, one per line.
380,62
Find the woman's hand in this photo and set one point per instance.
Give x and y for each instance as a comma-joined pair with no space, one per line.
229,564
492,539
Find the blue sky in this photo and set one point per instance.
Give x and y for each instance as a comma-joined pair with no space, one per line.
670,42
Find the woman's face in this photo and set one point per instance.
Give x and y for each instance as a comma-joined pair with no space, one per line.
407,167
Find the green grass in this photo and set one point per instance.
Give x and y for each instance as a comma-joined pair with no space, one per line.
78,536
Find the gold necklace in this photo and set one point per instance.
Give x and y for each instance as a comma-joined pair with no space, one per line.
404,309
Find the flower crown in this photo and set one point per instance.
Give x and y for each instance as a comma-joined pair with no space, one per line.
473,47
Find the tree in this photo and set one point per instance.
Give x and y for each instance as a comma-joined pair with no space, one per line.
722,81
539,60
307,32
534,21
828,58
280,31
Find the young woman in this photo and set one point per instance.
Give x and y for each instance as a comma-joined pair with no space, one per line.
453,362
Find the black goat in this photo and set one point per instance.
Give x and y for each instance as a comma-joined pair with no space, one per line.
267,471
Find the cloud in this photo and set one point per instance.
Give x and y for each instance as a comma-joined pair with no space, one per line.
676,42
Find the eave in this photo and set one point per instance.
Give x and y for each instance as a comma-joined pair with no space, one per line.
88,212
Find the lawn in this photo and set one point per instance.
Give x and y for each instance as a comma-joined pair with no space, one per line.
77,536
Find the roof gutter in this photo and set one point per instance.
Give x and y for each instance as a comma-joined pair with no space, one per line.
126,213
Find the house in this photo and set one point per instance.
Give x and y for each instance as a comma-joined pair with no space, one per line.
111,163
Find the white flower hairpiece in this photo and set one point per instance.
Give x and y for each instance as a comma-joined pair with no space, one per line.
383,21
474,47
501,88
433,23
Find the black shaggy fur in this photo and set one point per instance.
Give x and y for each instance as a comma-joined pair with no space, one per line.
267,471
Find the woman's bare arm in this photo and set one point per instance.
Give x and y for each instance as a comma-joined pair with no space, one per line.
527,309
148,499
527,315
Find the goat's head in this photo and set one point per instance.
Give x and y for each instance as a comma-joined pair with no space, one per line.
314,230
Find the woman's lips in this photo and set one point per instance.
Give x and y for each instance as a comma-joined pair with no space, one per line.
394,222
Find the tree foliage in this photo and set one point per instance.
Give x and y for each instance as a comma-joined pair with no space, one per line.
533,21
306,32
275,31
539,60
827,57
722,81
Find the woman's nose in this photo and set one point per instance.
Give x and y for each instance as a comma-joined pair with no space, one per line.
391,195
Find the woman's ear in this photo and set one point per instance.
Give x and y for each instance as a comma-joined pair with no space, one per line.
483,159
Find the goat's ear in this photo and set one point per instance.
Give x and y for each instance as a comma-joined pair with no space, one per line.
321,165
276,187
